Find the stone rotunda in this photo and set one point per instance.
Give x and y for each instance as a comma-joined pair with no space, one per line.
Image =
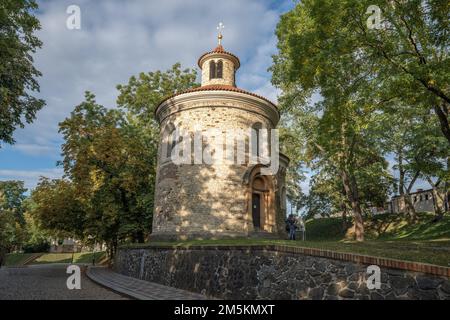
220,199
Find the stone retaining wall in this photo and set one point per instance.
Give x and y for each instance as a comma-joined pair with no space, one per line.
279,272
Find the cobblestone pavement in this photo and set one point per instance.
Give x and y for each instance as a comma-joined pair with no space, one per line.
139,289
48,282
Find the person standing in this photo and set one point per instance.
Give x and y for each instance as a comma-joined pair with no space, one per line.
2,257
291,226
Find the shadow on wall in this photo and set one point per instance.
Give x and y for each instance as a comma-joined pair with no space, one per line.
238,274
205,201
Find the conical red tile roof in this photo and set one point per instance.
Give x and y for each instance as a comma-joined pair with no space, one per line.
219,49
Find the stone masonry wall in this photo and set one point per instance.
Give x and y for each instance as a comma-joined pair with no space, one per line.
228,73
260,273
203,200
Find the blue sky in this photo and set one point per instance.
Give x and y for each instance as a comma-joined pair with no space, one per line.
119,39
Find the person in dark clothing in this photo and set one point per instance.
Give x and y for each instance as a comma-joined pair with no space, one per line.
2,257
291,226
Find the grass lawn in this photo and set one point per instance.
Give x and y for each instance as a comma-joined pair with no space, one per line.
433,252
81,257
14,259
382,227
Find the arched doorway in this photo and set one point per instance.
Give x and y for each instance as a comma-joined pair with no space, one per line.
256,210
259,202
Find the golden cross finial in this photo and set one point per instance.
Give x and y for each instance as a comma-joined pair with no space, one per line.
220,27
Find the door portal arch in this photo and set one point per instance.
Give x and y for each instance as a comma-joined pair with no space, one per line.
261,199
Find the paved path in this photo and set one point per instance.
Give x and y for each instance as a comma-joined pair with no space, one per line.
139,289
48,282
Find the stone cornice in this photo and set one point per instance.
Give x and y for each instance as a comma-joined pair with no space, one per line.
218,99
219,55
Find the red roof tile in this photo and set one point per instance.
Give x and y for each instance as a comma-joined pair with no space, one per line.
217,87
219,49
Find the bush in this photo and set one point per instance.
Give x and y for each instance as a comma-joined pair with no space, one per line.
42,246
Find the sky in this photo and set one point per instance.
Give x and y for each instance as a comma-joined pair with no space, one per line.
119,39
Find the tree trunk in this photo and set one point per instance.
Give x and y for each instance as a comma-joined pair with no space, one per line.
412,214
401,180
351,190
439,214
411,210
405,198
344,211
446,190
442,114
344,216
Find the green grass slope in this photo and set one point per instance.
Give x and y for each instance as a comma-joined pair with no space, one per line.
382,227
16,259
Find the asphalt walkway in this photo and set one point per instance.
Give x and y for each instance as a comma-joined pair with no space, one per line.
49,282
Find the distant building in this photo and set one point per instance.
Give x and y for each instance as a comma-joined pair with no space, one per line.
65,246
69,245
423,201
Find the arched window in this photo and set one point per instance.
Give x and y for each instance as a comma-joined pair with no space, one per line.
169,140
215,69
219,70
212,69
257,127
172,143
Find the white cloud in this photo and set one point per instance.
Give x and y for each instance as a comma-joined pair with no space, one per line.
30,177
119,39
36,149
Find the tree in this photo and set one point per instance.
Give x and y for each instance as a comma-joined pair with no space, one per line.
55,208
17,73
112,168
140,97
37,239
143,94
12,195
406,57
109,161
410,52
7,233
12,222
314,59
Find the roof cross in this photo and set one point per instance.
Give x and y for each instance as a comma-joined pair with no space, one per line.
220,27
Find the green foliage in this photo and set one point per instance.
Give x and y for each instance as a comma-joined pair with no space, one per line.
17,73
143,93
111,166
56,209
17,259
12,221
36,246
12,195
386,227
109,161
382,91
328,229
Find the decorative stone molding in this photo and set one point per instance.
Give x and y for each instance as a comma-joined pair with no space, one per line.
217,99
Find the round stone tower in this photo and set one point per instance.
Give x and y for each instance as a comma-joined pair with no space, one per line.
213,187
